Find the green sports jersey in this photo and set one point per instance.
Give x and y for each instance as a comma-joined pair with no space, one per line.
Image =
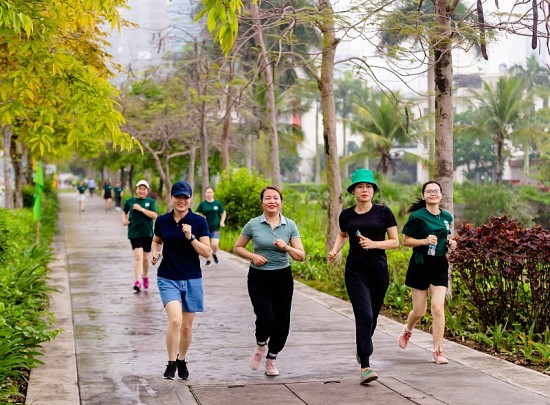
213,212
422,223
140,225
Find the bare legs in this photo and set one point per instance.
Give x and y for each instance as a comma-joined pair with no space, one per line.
179,332
141,264
438,314
420,299
214,244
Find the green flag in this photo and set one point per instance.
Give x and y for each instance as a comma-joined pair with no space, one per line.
38,188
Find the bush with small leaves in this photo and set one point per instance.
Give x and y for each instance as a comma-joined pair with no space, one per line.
239,191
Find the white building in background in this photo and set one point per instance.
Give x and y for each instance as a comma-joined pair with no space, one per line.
163,26
508,51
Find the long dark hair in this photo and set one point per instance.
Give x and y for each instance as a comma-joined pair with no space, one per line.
420,202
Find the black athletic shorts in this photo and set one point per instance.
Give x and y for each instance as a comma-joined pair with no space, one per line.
433,271
144,243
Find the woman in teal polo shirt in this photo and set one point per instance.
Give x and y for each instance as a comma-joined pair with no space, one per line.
426,232
270,284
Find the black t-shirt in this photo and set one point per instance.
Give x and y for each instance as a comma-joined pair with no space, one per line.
372,224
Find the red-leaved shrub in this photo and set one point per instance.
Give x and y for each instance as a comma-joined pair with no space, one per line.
504,270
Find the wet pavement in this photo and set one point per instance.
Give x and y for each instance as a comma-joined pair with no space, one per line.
112,350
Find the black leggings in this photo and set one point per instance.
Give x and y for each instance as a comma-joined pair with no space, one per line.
366,290
270,292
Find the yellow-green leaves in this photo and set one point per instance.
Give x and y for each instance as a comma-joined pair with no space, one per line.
222,21
54,88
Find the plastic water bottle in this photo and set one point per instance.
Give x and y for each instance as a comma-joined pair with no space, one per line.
431,249
358,233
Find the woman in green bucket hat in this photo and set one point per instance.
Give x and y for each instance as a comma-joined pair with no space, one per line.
366,225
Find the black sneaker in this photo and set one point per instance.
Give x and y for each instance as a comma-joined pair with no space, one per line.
183,373
215,258
207,263
170,372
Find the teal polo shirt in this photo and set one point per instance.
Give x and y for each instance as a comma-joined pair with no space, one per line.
263,238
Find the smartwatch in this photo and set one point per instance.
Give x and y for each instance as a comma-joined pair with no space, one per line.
192,238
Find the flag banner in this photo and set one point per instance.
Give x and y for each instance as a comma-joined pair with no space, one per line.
38,189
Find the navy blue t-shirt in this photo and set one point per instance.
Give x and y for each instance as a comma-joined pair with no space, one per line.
180,260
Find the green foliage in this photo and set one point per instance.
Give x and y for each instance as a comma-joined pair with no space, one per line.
24,296
55,89
397,295
239,191
222,21
487,200
504,270
28,195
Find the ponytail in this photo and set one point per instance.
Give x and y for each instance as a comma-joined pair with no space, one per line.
415,206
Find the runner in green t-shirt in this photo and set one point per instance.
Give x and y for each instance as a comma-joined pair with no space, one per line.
138,214
118,195
215,215
426,231
107,194
81,195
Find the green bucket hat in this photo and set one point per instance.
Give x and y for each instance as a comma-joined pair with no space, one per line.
362,176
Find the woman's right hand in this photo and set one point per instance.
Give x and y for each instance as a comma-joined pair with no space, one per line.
332,255
431,240
156,258
259,260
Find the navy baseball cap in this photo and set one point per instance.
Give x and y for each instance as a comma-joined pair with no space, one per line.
182,188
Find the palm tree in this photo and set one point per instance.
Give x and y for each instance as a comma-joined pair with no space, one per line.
502,110
536,78
345,90
438,26
382,126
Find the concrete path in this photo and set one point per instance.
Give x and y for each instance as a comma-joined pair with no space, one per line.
112,350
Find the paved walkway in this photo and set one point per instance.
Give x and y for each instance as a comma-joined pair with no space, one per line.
112,350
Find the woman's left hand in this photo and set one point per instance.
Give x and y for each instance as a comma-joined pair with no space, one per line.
281,244
366,243
451,243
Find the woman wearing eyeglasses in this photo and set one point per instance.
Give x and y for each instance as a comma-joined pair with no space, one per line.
426,232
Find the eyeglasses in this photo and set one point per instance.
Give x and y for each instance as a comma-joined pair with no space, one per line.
434,192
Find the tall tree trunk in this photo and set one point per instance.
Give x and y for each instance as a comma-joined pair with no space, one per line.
122,176
130,179
499,162
191,170
443,73
227,118
317,151
345,146
205,176
17,161
161,165
328,108
431,108
7,166
267,74
202,90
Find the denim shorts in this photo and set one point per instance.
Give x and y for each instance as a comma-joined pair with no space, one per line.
188,292
215,235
